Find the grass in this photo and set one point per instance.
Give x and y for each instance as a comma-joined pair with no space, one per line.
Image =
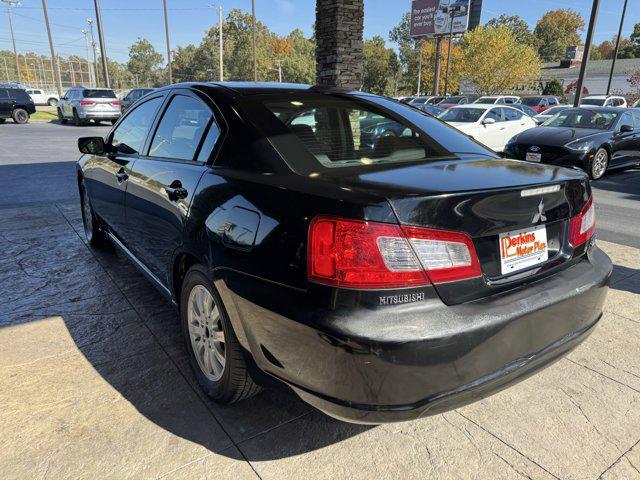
43,116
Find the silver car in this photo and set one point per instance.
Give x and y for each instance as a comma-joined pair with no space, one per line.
83,104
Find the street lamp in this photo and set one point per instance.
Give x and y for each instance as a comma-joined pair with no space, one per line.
12,4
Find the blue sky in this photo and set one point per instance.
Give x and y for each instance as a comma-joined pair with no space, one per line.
126,20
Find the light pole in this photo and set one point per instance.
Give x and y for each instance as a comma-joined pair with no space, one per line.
103,50
587,50
85,32
58,78
253,16
221,47
11,4
166,32
95,54
615,53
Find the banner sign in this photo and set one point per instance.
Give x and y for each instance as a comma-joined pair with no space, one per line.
430,18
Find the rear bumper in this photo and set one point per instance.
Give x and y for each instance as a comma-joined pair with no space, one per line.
403,362
103,115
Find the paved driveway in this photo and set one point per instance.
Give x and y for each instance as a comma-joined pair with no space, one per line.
94,383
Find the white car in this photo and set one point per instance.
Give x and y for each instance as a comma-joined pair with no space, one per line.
491,125
498,100
604,101
40,97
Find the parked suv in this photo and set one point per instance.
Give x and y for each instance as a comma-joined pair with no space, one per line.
83,104
604,101
133,96
40,97
15,103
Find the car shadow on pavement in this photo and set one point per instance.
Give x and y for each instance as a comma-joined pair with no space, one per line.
625,181
129,335
626,279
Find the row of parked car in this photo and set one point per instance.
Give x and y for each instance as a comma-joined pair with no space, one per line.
79,104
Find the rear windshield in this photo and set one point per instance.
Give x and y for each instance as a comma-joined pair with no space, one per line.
19,94
554,110
91,93
363,131
593,101
490,100
531,101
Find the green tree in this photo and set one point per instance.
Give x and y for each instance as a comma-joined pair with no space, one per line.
516,25
635,35
554,87
376,66
556,31
144,61
299,66
509,65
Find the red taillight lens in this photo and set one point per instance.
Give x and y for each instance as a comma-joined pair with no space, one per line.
87,102
116,103
583,226
358,254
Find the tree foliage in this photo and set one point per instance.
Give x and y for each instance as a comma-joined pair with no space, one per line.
144,61
496,62
516,25
557,30
379,74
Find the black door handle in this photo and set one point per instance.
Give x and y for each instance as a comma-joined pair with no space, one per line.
122,175
176,193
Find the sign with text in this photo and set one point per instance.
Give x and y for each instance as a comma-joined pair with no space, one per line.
430,18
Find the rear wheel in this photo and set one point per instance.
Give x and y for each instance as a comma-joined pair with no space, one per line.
76,119
95,236
61,118
214,351
599,164
20,115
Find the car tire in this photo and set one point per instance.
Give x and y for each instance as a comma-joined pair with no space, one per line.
113,122
2,120
95,235
20,115
215,354
77,121
52,102
61,118
598,164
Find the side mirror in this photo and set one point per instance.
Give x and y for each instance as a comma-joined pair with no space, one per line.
626,129
92,145
489,121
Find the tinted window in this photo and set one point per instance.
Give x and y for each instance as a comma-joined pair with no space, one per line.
465,115
19,94
181,128
626,119
581,118
593,101
130,135
90,93
355,132
486,100
4,93
532,101
512,114
210,140
496,114
636,119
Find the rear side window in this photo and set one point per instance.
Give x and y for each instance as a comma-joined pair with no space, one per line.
91,93
355,132
496,114
18,94
181,129
129,136
636,119
512,114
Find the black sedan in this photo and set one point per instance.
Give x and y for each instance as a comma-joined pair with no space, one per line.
381,282
594,139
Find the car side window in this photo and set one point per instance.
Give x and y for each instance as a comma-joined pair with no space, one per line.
4,93
626,119
636,119
496,114
128,137
512,114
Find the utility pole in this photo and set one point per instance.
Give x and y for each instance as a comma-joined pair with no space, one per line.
255,65
85,32
436,73
221,43
587,50
95,53
11,4
103,50
615,53
166,32
420,50
446,71
53,52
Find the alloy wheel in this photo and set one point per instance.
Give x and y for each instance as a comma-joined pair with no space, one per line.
206,332
21,116
600,162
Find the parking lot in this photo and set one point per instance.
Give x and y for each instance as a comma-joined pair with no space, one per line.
95,382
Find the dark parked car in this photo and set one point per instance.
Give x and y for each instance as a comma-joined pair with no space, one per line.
381,283
133,96
15,103
540,103
449,102
433,110
594,139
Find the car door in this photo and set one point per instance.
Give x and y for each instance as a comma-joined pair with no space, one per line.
164,180
635,154
624,143
490,133
67,108
106,176
5,103
515,122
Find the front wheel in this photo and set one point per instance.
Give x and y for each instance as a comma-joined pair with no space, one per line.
215,354
20,115
77,121
52,102
95,236
61,118
599,164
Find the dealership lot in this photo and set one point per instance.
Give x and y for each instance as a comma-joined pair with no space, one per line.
95,382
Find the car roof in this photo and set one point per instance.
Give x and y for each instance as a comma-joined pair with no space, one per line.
601,97
598,108
480,106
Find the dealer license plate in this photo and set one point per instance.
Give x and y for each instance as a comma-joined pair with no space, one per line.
533,157
522,249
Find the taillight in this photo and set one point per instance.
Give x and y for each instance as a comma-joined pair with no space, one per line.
87,102
583,226
116,103
358,254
